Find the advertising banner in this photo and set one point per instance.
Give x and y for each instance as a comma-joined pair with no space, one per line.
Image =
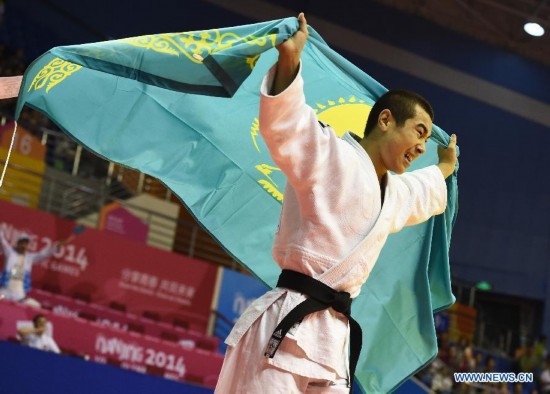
119,220
23,182
109,345
103,267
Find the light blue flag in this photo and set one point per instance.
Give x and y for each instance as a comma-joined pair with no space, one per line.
183,108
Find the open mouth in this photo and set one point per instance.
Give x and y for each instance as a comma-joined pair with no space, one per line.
408,158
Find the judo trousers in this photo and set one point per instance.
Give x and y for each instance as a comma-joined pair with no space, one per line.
245,369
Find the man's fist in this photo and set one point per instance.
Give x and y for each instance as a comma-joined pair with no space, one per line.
447,157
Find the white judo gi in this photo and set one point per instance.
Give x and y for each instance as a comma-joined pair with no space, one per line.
333,226
15,279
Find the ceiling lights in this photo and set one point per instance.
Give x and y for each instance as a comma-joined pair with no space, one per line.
533,29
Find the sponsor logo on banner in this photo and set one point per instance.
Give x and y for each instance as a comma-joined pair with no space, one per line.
137,357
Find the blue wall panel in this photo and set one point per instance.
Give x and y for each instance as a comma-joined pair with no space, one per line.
28,371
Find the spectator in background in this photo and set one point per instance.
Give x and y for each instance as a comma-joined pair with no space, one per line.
489,365
544,380
443,347
15,280
528,361
492,388
468,360
38,336
479,362
442,382
453,358
463,347
501,388
464,358
426,375
540,350
517,388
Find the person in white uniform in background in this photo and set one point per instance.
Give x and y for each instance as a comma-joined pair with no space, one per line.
342,200
15,279
38,336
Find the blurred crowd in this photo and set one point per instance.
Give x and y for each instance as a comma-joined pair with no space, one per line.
461,356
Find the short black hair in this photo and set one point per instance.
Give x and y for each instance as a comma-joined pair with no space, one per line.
36,318
402,104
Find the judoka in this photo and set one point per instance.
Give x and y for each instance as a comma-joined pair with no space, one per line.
343,198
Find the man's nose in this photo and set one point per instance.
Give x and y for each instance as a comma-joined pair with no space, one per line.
421,148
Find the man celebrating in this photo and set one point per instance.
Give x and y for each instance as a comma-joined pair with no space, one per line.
342,200
15,280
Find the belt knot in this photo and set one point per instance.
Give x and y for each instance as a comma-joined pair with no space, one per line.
341,302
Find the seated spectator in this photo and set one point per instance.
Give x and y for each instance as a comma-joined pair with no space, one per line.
499,388
528,361
468,362
490,365
425,375
454,360
479,362
442,382
544,379
38,336
443,347
493,388
540,350
464,355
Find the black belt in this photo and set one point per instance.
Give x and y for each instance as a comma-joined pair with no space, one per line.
320,297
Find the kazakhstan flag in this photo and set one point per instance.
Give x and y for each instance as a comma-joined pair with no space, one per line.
183,108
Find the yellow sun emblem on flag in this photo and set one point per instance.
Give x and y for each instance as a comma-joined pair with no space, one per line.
343,115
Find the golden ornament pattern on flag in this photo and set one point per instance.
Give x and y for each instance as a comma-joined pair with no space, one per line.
198,45
53,74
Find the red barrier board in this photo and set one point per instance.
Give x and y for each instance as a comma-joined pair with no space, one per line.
63,305
129,350
103,267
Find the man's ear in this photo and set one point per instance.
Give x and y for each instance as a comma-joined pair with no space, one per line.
384,119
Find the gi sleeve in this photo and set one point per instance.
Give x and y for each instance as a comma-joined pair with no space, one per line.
421,194
298,145
6,247
43,254
53,345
